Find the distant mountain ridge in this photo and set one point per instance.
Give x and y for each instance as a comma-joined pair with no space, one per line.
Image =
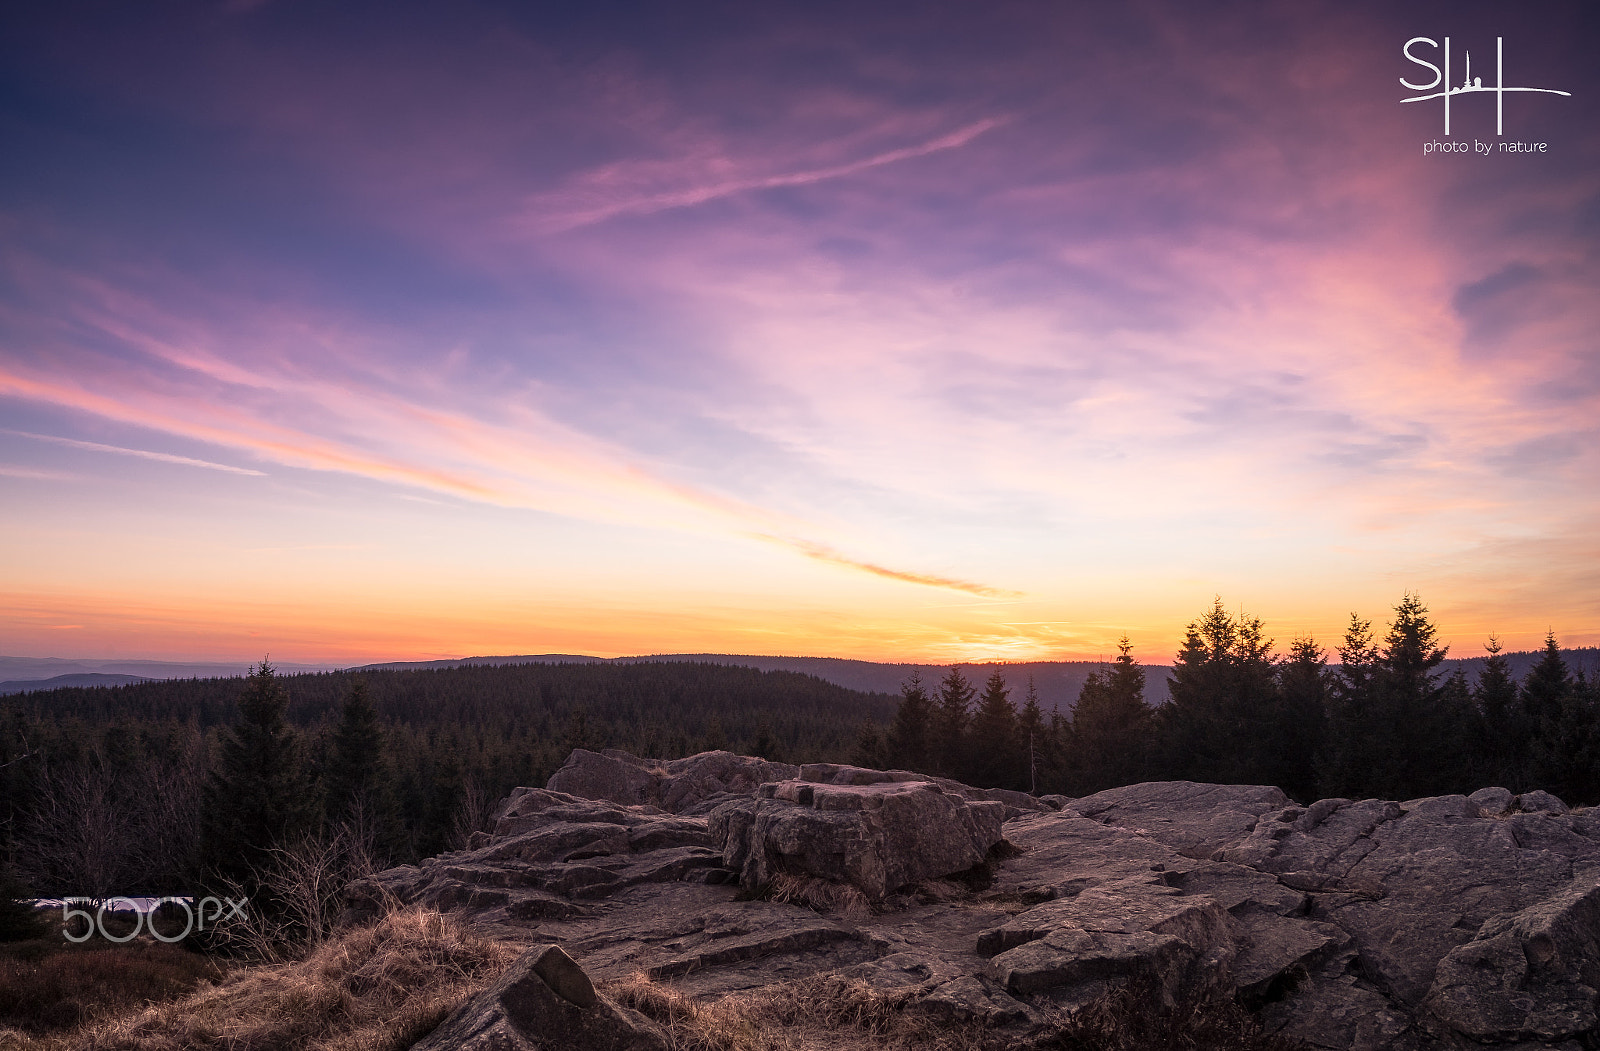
1056,682
19,674
61,681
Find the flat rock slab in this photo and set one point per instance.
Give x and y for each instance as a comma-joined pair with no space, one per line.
877,837
1193,819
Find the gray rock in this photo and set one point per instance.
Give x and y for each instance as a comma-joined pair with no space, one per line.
1493,801
1433,923
876,837
1531,974
547,849
676,785
1539,800
1118,930
1272,948
544,1002
1194,819
1340,1014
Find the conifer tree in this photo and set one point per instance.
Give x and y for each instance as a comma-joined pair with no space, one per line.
1352,705
1303,690
716,739
950,721
1031,731
1545,689
1393,733
911,733
360,791
766,744
1419,755
1223,721
1507,740
1111,728
257,798
872,748
1565,756
995,761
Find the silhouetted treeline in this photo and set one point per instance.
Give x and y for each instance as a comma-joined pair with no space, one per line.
147,787
1386,721
155,786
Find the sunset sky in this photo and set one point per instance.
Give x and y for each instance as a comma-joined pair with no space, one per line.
967,331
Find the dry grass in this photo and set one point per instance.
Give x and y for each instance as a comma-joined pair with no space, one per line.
818,895
377,988
1128,1020
822,1013
51,985
830,1012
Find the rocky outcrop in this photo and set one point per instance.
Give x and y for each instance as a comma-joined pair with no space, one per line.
875,837
549,853
675,785
544,1002
1440,923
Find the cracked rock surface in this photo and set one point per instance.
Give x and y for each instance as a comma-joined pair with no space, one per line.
1449,922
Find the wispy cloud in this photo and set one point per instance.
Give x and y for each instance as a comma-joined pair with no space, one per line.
40,474
145,454
833,558
593,198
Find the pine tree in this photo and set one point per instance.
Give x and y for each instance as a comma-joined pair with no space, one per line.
1565,757
1352,706
1111,728
950,720
871,748
1224,721
766,744
257,798
716,739
995,760
1422,757
359,788
1303,692
1546,687
1392,731
1031,733
911,733
1506,747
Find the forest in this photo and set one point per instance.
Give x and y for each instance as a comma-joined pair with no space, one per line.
157,787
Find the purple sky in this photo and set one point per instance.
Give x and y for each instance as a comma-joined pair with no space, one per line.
919,331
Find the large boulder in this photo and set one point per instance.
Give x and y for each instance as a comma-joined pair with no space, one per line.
876,837
544,1002
676,785
1133,928
1527,975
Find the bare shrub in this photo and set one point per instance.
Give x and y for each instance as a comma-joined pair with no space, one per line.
474,813
295,905
93,831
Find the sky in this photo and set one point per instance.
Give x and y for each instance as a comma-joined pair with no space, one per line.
946,332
